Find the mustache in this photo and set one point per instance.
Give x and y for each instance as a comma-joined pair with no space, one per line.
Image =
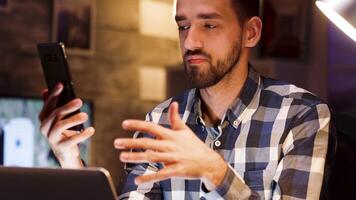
197,52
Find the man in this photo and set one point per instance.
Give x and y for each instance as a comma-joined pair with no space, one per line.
236,135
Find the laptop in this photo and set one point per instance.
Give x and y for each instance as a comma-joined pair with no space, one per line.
55,184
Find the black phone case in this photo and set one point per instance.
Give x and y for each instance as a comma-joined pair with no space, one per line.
56,69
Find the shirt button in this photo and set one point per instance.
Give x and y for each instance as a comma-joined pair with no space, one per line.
217,143
236,123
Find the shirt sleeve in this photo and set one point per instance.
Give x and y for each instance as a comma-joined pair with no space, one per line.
299,174
145,191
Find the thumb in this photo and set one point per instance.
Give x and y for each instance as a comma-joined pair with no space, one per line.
174,118
45,94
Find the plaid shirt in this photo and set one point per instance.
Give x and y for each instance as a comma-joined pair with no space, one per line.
274,138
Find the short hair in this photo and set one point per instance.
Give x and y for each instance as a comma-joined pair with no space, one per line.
246,9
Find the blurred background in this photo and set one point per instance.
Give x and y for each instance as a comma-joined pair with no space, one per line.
124,58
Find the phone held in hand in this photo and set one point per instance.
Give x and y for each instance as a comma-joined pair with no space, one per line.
56,70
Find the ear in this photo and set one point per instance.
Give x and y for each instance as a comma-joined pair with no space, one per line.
253,30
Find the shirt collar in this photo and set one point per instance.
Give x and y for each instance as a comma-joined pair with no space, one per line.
239,105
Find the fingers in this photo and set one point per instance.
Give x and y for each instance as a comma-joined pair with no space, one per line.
69,133
146,127
51,100
141,143
59,114
174,118
146,157
165,173
56,131
78,138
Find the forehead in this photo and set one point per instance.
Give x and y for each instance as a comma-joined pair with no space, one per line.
193,8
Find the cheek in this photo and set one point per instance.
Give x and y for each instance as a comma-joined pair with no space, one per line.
218,48
224,44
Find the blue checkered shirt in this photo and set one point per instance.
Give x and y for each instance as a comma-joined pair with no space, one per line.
274,138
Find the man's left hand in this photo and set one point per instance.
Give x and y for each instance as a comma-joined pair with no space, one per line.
181,152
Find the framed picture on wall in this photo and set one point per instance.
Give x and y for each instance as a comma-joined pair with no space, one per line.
4,5
74,25
285,30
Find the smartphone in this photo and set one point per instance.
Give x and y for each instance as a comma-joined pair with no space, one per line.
56,70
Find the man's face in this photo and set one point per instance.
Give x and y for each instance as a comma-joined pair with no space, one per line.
210,39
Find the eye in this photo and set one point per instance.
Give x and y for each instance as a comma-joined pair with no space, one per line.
183,28
210,26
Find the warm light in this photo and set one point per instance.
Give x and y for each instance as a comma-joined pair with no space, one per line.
337,18
174,9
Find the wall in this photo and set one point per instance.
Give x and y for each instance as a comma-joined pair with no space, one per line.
110,77
310,73
342,68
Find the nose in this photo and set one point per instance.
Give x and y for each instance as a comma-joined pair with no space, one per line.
193,40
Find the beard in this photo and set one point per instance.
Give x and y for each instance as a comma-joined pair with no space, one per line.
215,72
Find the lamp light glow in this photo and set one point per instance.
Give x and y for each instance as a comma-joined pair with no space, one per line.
338,14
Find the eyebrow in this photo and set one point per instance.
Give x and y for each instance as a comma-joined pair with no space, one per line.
180,18
200,16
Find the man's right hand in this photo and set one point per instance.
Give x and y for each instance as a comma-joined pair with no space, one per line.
55,127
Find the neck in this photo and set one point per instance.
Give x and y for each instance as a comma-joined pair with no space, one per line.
217,99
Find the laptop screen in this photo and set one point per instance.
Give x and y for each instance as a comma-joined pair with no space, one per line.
21,143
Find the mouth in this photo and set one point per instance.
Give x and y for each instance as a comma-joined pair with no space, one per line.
194,60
